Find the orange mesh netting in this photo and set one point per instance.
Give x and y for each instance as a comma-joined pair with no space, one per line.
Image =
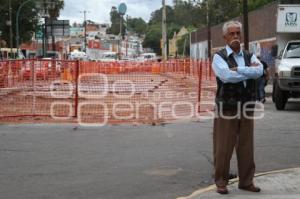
98,93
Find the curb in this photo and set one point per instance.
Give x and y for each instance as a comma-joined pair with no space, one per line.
232,181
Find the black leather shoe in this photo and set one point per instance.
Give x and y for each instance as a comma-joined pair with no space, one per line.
222,190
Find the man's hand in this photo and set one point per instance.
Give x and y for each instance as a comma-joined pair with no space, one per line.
254,64
233,68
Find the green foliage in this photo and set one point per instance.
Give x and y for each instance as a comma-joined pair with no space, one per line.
191,14
254,4
115,19
28,20
183,46
224,10
55,11
153,37
187,14
156,16
137,25
181,14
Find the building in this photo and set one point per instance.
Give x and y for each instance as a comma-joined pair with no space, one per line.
131,46
173,50
262,35
77,31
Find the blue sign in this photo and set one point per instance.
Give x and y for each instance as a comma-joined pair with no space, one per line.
39,35
122,9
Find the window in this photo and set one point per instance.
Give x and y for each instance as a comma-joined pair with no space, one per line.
293,50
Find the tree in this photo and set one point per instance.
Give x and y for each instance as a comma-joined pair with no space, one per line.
115,19
183,45
224,10
254,4
186,13
156,16
193,14
53,15
54,12
153,37
28,20
137,25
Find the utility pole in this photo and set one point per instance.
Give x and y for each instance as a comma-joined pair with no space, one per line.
126,34
84,18
246,24
10,30
17,24
164,32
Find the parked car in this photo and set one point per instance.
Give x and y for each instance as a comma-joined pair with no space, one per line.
147,57
109,57
286,83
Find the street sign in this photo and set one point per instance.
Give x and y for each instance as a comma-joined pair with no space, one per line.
58,28
39,35
122,9
39,32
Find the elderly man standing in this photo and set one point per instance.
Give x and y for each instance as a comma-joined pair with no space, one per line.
236,71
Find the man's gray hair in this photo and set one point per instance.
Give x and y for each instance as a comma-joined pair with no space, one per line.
229,24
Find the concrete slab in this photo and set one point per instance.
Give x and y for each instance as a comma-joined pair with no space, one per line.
275,185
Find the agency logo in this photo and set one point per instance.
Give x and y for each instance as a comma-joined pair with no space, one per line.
291,19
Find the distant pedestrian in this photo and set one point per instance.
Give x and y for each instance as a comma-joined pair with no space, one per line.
236,71
262,82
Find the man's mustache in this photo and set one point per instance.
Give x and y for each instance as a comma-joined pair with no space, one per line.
236,40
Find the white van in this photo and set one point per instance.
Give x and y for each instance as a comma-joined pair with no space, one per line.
78,55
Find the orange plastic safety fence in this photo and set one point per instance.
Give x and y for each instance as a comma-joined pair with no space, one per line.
99,93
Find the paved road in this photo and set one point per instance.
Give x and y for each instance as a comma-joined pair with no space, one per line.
142,162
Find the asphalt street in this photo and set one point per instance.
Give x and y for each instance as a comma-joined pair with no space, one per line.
136,162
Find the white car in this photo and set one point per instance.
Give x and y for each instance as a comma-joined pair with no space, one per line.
109,57
147,57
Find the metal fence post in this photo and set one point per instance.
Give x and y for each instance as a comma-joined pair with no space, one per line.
199,83
76,88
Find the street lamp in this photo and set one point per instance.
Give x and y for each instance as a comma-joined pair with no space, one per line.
17,19
121,10
17,24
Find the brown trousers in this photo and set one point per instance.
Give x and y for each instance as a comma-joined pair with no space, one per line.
230,133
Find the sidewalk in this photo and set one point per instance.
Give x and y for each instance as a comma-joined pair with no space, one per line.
275,185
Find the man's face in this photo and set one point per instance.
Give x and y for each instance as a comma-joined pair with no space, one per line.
233,37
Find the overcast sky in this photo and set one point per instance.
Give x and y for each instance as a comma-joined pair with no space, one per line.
99,9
